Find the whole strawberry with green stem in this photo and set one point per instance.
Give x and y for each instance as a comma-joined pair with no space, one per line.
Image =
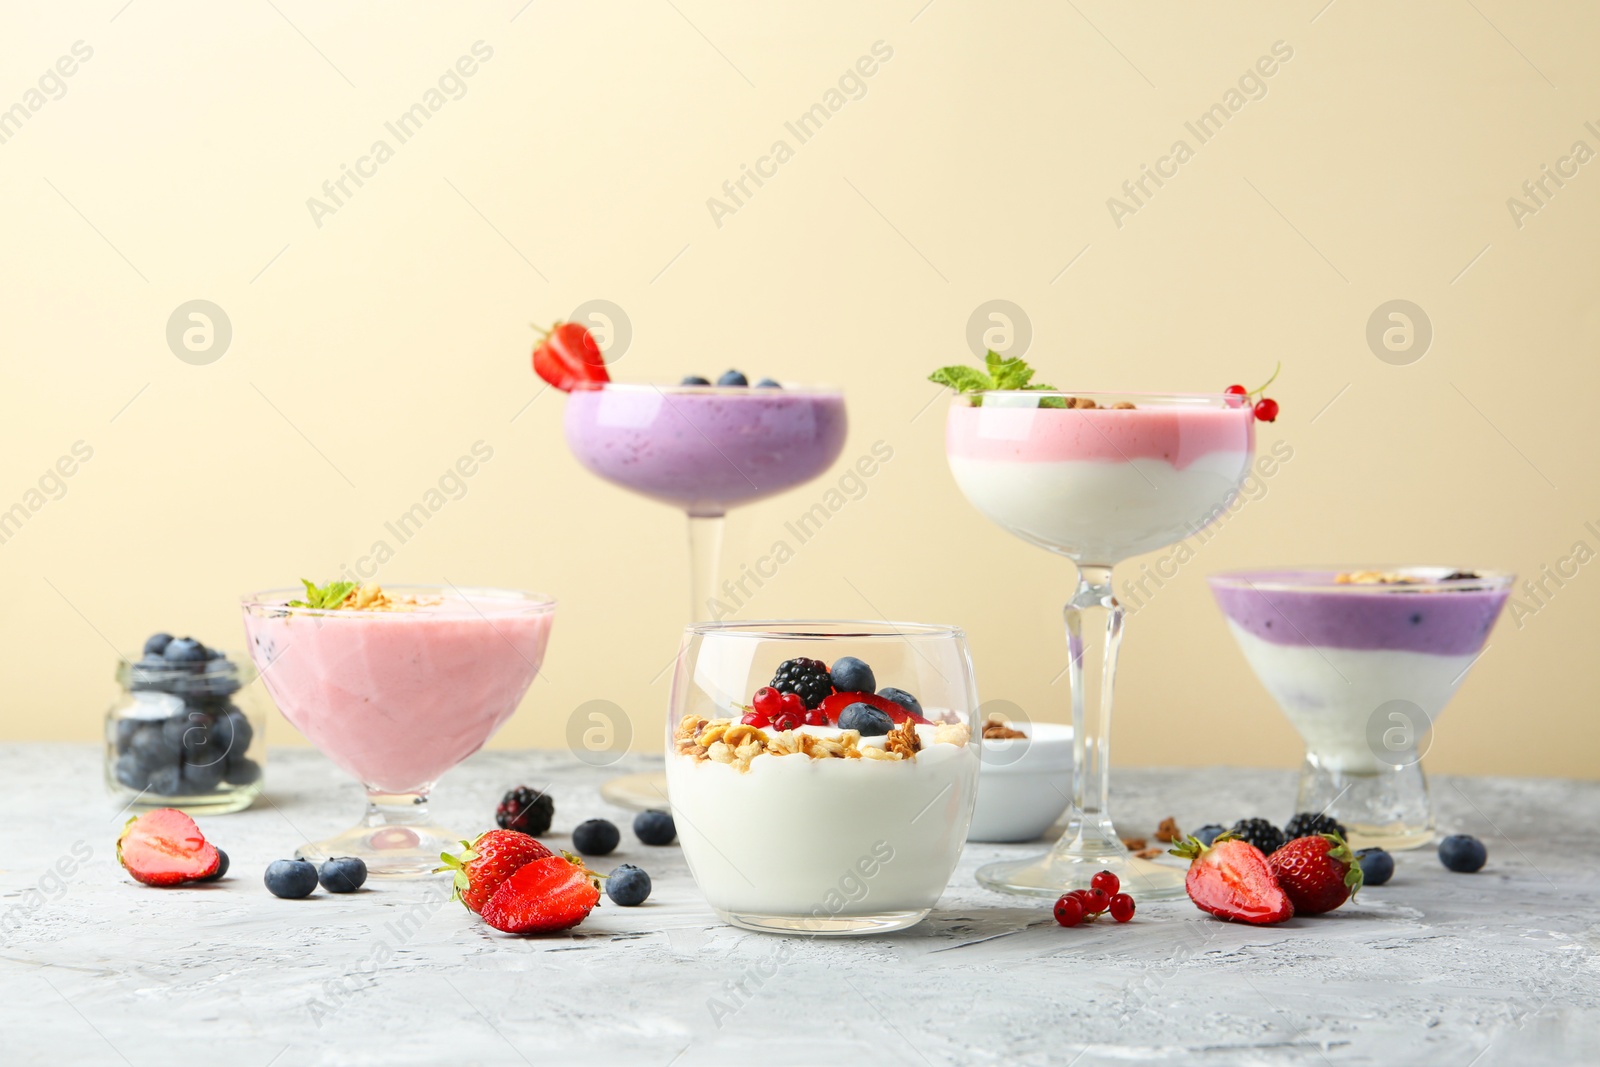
488,861
1318,873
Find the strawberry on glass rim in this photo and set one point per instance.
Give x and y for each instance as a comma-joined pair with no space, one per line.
568,358
1266,409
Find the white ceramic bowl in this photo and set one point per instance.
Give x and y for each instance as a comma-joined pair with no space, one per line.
1023,784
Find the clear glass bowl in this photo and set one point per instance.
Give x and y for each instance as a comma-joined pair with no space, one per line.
818,829
187,736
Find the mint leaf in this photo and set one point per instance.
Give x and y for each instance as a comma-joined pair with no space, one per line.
326,598
999,374
962,379
1009,373
1047,401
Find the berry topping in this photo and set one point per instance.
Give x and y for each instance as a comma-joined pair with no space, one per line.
851,675
834,707
291,879
694,379
1267,409
1260,833
1107,883
1237,390
1318,873
1377,866
628,886
1122,907
1231,880
342,874
655,827
596,837
525,810
164,847
866,720
816,717
1069,910
733,378
1462,853
485,863
756,719
568,358
903,698
788,720
1307,823
806,678
550,894
768,701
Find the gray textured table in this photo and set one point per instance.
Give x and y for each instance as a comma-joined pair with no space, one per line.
1500,967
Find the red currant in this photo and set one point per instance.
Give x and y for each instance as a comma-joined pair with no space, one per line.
1069,910
786,720
1122,907
756,719
794,705
1097,902
768,701
1107,883
1267,409
1237,390
816,717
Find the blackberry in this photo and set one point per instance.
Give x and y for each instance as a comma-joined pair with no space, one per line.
807,679
1260,833
525,810
1307,824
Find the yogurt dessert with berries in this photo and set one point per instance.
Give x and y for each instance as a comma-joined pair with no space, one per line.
821,805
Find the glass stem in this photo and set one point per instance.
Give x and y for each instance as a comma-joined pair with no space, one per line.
1092,677
705,549
396,809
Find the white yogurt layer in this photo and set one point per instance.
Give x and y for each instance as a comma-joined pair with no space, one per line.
1331,695
1100,511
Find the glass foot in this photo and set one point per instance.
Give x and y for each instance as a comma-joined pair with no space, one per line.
637,792
832,926
390,851
1051,875
1382,806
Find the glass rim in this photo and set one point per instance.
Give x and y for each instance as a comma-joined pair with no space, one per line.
825,629
676,389
275,600
1323,579
1225,400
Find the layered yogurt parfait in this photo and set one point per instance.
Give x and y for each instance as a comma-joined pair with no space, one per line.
808,797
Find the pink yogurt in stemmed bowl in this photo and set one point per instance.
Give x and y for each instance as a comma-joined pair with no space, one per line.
395,697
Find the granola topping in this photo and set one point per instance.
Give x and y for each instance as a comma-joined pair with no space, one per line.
373,598
733,742
1376,578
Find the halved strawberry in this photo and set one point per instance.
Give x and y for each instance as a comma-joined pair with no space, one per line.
568,358
544,896
165,847
1231,880
1318,873
833,705
488,861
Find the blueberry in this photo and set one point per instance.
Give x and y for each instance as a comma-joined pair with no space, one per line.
189,733
1208,833
901,697
769,383
150,748
167,781
291,879
216,654
231,734
655,827
1462,853
851,675
205,776
733,377
1377,866
130,772
343,874
125,731
628,886
185,650
866,720
156,644
694,379
222,868
241,771
596,837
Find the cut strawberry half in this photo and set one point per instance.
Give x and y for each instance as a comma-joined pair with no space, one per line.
555,893
164,847
568,358
1231,880
834,705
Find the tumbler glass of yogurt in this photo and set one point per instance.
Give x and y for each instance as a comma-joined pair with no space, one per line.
822,774
396,693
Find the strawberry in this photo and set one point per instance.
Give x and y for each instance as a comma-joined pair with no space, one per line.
1318,873
835,704
544,896
165,847
1231,880
568,358
488,861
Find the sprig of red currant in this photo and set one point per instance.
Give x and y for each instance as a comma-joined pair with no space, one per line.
1103,895
1266,408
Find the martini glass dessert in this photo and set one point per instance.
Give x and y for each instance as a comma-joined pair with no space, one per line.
396,686
1095,477
700,447
1362,663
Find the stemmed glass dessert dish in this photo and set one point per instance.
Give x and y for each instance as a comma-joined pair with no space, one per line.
1362,661
1098,478
396,692
822,774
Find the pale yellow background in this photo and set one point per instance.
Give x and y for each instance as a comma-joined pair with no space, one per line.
379,347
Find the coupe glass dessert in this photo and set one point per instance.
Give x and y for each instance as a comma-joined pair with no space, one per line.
1095,477
1362,663
809,799
396,686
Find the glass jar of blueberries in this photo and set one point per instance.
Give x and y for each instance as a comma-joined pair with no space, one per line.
187,730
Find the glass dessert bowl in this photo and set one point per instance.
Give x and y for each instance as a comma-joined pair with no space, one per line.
396,692
1096,477
822,805
1362,662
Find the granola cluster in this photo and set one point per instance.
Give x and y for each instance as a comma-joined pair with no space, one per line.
997,729
1087,402
1375,578
373,598
730,741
